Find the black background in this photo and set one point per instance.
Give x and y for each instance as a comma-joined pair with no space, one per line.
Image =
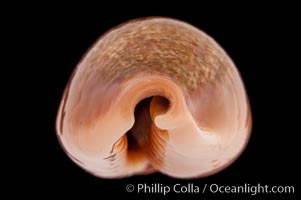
260,42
